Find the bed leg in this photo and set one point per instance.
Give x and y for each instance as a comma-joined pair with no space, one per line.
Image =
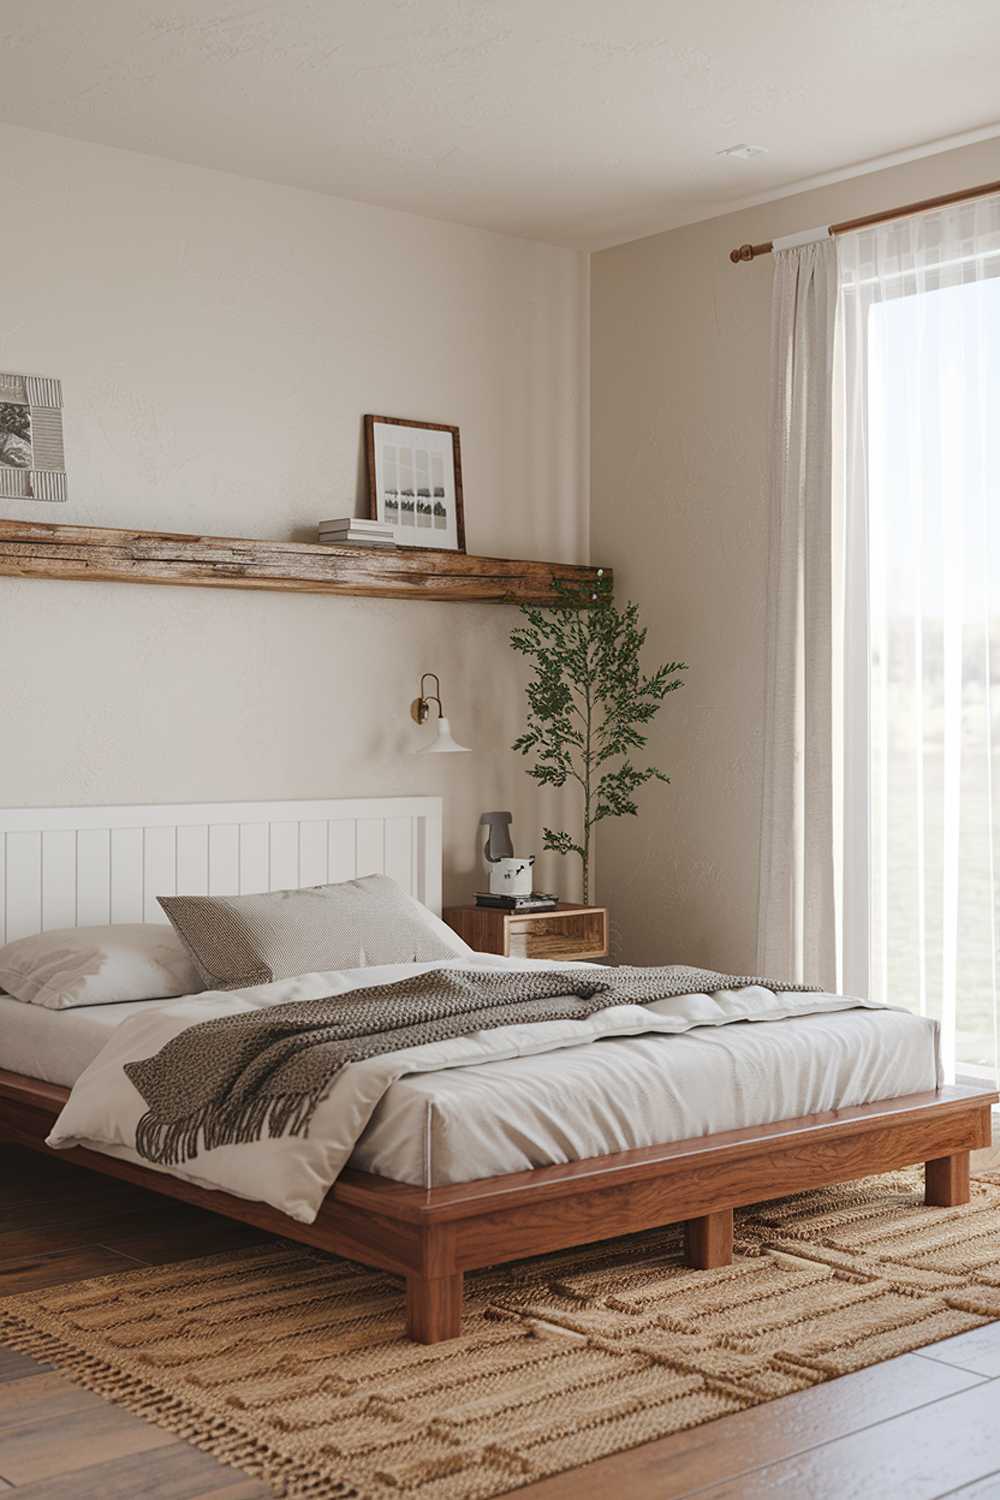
434,1308
946,1180
710,1240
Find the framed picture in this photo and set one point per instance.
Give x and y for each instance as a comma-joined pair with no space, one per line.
32,465
415,481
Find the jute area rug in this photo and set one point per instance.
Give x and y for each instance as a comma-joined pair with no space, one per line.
293,1366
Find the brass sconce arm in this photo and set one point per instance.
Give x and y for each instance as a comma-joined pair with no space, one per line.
420,708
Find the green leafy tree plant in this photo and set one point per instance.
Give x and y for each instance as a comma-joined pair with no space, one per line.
589,703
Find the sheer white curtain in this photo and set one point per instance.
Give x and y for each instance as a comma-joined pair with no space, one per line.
796,927
917,555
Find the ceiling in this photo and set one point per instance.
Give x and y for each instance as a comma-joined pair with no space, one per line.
584,122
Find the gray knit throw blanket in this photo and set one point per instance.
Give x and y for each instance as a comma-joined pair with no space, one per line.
231,1079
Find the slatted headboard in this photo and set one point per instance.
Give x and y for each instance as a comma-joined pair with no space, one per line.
87,866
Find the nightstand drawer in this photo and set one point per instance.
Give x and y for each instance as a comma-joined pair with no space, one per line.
563,935
567,933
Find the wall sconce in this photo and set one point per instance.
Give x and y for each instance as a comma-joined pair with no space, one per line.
420,709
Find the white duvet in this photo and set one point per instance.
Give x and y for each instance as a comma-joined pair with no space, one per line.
293,1174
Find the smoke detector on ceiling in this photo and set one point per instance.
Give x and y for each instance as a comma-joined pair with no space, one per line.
743,153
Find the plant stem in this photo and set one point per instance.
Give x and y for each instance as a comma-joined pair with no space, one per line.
587,758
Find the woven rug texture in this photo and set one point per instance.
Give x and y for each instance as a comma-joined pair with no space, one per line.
293,1366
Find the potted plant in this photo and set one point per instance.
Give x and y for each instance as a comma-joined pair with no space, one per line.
589,702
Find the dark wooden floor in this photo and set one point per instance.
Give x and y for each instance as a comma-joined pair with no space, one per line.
917,1428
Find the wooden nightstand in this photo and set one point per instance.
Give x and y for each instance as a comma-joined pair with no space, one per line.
567,932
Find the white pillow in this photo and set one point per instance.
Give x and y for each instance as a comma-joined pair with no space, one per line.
75,966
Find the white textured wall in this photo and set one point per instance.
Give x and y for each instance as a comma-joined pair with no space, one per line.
679,419
218,340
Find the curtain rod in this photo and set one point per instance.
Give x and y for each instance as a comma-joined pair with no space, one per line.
750,252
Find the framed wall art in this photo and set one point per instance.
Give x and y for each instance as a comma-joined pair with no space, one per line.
32,462
415,481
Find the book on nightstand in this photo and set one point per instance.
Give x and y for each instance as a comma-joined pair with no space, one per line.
537,901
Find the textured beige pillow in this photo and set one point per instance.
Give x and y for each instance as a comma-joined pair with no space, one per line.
74,966
243,940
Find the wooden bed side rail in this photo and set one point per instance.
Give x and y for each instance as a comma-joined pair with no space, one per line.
433,1235
732,1149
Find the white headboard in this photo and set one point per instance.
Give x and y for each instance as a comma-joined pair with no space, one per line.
87,866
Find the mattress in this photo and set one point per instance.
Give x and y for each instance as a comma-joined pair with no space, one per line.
641,1091
431,1129
56,1045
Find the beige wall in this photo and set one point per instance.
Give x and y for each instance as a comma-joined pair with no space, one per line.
679,481
218,340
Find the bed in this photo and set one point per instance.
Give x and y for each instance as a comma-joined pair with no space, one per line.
478,1164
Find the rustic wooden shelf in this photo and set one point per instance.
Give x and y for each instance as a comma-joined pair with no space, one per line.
34,549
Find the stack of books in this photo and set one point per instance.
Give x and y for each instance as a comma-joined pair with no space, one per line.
357,531
537,901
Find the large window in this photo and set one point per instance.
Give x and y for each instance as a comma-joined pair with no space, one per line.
921,374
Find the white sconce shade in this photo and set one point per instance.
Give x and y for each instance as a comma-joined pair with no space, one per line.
443,742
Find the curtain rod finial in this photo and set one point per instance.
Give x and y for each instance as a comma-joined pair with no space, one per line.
742,252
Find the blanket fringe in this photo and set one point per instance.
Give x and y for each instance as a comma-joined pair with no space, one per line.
174,1142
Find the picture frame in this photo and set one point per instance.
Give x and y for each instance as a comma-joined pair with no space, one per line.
32,460
415,481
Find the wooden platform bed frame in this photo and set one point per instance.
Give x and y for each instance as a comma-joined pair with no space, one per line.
432,1236
70,867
